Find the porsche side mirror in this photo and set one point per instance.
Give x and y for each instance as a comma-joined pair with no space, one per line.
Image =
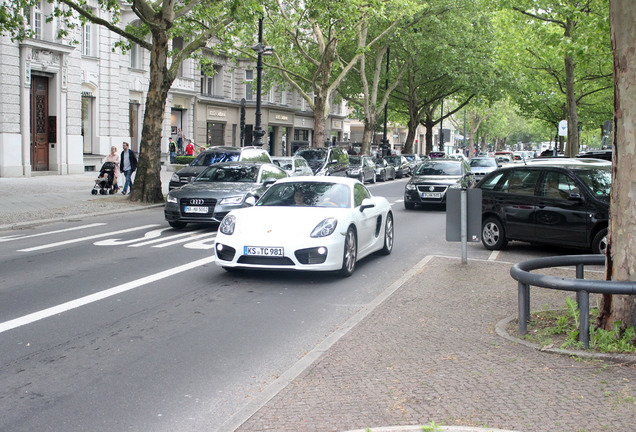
366,203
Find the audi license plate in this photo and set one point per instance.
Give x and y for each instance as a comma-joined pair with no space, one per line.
195,209
263,251
431,195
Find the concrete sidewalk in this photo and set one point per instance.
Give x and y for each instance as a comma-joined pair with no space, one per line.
430,352
31,200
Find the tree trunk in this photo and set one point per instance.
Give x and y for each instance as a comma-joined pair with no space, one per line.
369,130
147,187
320,118
429,124
621,260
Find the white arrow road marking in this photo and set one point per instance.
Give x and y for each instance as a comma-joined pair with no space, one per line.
117,242
73,304
201,244
77,240
204,235
188,235
17,236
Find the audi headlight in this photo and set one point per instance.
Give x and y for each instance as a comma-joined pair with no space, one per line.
325,228
175,177
410,186
227,225
172,199
233,200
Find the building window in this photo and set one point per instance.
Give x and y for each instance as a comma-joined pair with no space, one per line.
87,39
136,57
212,85
283,97
249,80
215,134
87,121
34,20
177,45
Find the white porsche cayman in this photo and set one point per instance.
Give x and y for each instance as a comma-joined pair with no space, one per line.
307,223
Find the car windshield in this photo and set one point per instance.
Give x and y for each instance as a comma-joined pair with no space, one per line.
229,174
439,168
598,180
487,162
307,194
410,158
355,160
209,158
395,160
313,154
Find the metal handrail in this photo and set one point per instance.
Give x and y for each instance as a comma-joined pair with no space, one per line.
521,273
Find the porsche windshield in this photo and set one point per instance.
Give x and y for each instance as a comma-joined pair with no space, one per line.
229,174
307,194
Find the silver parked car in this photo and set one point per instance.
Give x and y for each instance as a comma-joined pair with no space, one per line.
480,166
294,165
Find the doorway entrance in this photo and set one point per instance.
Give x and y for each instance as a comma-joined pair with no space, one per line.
39,123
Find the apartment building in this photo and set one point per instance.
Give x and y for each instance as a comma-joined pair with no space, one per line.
63,105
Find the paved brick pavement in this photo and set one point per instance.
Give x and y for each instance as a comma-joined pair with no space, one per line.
430,353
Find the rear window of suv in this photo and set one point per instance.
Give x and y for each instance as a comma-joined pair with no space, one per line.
208,158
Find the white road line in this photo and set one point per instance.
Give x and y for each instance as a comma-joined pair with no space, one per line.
20,237
189,235
183,240
83,301
493,255
154,234
77,240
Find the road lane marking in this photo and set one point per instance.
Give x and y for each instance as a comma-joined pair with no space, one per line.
20,237
183,240
77,240
83,301
494,255
170,239
117,242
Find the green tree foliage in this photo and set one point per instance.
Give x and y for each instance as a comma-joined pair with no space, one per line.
313,41
559,57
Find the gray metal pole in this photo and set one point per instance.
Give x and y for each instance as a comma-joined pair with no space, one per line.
464,225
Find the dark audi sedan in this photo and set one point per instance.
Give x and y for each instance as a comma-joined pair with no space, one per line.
217,190
432,178
554,201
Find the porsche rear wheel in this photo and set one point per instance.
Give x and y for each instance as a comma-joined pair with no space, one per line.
350,253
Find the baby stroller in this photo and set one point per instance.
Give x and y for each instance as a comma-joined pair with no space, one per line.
106,180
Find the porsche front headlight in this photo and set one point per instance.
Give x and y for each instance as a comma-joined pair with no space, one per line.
325,228
227,225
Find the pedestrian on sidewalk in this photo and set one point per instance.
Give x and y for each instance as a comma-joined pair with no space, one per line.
114,157
172,149
189,151
180,141
128,162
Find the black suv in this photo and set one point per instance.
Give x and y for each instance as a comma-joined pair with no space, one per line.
328,161
214,155
553,201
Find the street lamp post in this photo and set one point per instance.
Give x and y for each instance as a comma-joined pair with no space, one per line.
260,51
441,131
385,140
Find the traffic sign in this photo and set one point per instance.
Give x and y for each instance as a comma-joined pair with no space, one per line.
563,128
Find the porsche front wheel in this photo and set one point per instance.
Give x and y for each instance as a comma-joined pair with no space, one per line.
350,253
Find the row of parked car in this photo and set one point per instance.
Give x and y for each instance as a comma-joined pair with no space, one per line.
221,179
560,201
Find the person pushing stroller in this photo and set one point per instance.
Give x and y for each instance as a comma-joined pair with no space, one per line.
108,174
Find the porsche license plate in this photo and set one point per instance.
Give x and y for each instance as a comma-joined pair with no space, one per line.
431,194
195,209
263,251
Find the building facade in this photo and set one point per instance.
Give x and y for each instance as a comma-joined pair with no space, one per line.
64,104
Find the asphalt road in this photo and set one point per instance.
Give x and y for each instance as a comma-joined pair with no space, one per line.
120,323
